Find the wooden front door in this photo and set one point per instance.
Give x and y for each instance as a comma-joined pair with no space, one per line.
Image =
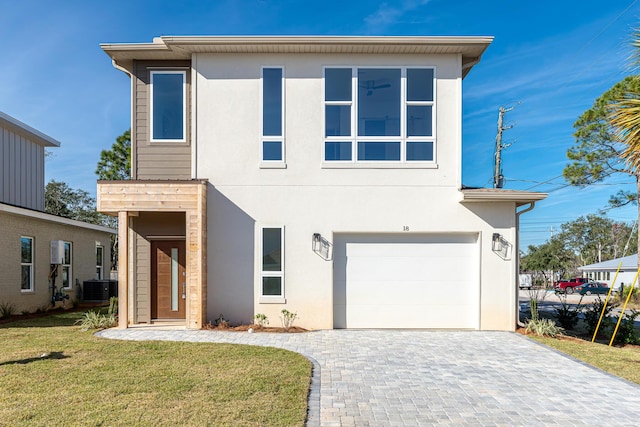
168,279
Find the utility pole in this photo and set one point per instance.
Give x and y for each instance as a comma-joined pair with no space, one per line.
498,178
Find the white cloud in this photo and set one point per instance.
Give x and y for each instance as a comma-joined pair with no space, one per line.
387,15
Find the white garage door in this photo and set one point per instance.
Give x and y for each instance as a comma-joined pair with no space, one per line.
403,281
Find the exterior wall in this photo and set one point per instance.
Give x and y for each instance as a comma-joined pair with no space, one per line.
83,258
158,160
21,170
309,196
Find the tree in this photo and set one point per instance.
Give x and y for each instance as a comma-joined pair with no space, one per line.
608,138
115,164
64,201
547,257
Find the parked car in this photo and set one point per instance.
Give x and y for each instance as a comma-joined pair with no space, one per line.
569,285
592,288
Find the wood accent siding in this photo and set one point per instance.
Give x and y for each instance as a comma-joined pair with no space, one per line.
21,171
157,160
142,291
169,196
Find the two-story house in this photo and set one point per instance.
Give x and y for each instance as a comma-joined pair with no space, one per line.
321,175
31,279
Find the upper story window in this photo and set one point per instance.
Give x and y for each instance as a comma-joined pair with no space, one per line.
168,106
272,114
26,263
379,115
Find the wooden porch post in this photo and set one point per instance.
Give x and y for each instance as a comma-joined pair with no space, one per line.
123,269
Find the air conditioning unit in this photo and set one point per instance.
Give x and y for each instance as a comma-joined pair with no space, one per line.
57,251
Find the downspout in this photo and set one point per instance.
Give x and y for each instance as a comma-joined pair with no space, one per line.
130,309
518,213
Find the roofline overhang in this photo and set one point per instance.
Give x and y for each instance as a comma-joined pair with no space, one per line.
35,135
182,47
488,195
16,210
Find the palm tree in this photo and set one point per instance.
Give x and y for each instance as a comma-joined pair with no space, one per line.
624,117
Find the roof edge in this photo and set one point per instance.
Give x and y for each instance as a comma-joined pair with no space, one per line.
478,195
32,133
16,210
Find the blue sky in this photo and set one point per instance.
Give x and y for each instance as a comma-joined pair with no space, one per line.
549,59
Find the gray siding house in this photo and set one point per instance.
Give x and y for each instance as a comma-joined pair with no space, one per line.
27,232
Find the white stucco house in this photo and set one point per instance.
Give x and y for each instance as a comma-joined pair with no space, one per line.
321,175
605,271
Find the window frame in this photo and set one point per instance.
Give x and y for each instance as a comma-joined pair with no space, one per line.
273,138
354,139
27,264
68,265
272,299
152,138
100,267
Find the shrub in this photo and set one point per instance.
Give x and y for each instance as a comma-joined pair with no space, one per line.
261,319
568,314
6,309
287,319
635,294
626,331
221,322
544,327
592,315
96,320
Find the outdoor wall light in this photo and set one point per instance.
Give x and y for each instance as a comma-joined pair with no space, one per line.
316,242
500,246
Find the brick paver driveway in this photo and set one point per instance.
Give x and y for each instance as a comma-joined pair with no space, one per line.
382,378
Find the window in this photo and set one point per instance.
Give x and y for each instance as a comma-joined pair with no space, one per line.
272,268
379,115
66,266
26,264
272,115
99,262
168,102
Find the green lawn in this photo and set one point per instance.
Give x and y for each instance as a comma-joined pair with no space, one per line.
621,361
87,380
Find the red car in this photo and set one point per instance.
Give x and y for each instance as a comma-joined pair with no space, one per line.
569,285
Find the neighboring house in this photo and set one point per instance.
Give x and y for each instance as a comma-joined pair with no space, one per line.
321,175
605,271
27,233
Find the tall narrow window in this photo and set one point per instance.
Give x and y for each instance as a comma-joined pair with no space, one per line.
66,266
272,262
26,263
99,262
168,102
272,115
338,97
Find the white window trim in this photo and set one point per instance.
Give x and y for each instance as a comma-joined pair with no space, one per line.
101,266
70,265
272,299
272,164
30,264
184,105
403,138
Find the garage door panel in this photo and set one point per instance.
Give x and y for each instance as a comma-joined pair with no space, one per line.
387,282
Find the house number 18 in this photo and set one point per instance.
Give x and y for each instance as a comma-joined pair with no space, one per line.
405,228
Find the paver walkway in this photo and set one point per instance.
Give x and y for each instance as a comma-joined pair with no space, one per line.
415,378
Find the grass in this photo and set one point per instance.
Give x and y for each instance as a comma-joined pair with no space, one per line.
621,361
85,380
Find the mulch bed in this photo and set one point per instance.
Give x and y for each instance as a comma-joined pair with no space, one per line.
256,328
57,310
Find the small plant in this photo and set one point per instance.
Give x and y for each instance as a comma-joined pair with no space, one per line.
626,331
261,320
536,296
6,310
568,314
635,294
96,320
592,315
221,322
25,312
544,327
287,319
